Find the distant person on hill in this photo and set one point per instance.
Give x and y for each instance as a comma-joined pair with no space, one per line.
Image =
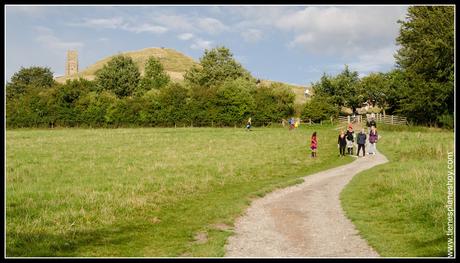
350,135
373,137
361,142
342,143
248,124
313,144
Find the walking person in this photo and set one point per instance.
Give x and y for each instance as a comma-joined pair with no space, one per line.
342,143
350,135
291,123
373,137
361,140
249,124
313,144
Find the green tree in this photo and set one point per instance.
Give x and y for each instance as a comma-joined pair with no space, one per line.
343,90
21,81
216,66
119,75
426,57
320,108
234,101
155,77
376,88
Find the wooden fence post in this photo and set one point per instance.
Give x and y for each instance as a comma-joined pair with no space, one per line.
392,117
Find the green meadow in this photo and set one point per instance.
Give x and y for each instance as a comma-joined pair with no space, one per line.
146,192
400,206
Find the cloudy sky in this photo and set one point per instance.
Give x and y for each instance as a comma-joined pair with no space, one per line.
293,44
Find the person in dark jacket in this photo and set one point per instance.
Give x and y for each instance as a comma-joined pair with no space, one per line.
362,142
350,135
342,143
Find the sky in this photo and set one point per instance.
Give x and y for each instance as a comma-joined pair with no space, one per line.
295,44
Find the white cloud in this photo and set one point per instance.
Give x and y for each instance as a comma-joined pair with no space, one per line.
343,31
111,23
185,36
120,23
252,35
47,38
210,25
379,60
201,44
145,28
176,22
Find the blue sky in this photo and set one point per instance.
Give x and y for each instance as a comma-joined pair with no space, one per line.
293,44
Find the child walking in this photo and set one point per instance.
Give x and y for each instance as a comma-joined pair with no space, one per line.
313,144
342,143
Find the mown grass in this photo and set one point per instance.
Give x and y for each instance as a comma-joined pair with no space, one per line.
146,191
400,206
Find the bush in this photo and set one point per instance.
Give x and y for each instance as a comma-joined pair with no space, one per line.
319,108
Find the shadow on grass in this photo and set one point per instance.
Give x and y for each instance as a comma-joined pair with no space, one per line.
68,244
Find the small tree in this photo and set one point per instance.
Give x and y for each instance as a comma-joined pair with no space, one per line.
119,75
320,108
216,66
21,81
155,77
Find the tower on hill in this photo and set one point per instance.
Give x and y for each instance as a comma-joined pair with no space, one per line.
71,66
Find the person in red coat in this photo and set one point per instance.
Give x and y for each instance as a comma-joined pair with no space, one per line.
313,144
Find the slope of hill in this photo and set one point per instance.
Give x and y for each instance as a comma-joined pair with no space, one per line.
174,62
299,91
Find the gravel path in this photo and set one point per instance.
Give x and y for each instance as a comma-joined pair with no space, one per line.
304,220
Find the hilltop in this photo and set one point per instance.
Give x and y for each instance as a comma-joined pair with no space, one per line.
174,63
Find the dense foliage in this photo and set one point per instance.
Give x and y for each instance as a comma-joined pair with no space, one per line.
220,93
427,59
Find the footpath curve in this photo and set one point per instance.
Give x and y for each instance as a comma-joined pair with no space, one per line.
305,220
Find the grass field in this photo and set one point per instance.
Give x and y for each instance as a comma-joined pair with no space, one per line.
146,191
400,207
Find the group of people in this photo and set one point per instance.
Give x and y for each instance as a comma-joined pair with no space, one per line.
346,141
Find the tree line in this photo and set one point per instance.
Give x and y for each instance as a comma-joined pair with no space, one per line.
218,92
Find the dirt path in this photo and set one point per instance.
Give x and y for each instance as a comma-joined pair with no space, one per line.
304,220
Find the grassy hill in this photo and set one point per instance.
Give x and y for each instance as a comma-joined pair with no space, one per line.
174,62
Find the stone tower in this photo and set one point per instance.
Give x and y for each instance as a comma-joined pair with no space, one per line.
71,66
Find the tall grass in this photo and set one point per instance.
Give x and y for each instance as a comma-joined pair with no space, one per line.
145,191
400,207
